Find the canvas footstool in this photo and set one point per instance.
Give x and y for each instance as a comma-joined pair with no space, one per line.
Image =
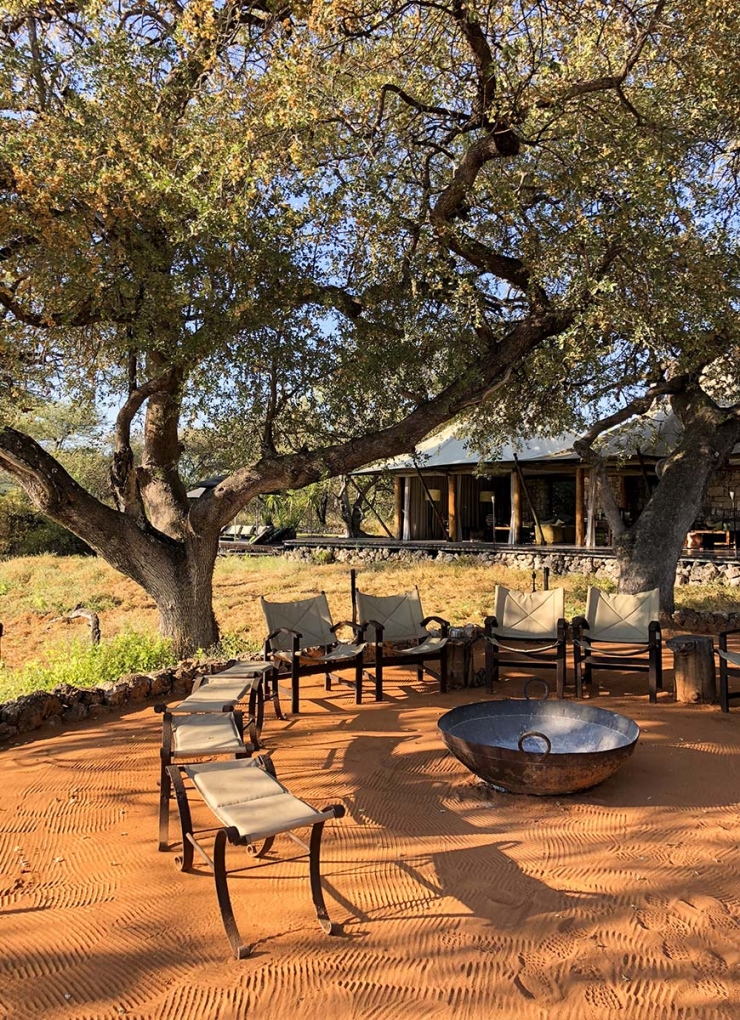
252,807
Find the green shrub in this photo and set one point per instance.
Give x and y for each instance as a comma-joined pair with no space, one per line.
84,665
322,557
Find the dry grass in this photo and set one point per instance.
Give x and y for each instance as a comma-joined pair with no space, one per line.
35,590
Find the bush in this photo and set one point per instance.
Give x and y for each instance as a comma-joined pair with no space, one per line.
23,532
84,665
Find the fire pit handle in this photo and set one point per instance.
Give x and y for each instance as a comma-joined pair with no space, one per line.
536,680
540,736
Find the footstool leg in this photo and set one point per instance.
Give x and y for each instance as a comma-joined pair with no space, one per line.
241,951
184,860
315,873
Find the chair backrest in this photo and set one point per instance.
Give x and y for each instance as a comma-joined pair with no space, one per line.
310,617
621,618
400,615
528,614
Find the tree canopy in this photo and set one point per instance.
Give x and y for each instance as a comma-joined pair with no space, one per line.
338,224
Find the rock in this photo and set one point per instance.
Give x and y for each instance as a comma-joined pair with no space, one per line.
75,712
32,710
114,694
139,686
7,732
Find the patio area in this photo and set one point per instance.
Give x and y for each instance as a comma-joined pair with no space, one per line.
452,899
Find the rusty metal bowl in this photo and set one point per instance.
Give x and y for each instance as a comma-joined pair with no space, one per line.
537,746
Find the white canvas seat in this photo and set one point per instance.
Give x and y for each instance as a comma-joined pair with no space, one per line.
397,627
302,637
251,806
205,734
629,627
529,628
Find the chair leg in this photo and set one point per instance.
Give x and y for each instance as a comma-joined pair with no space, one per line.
294,695
275,696
443,671
724,686
560,673
314,865
378,671
358,679
239,949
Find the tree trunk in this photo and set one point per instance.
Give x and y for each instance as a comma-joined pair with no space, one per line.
183,592
649,551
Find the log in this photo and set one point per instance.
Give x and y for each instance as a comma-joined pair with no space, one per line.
693,668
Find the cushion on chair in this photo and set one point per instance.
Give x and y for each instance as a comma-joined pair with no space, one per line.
621,618
400,615
243,795
528,615
310,617
195,735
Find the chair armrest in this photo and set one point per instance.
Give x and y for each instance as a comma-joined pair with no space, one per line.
284,630
357,628
580,623
378,626
654,629
444,624
490,624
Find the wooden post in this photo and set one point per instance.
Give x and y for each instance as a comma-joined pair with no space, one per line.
398,506
580,508
693,668
516,507
452,507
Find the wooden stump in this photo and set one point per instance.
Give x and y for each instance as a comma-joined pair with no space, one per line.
693,668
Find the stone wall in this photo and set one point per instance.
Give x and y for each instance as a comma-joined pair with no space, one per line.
67,704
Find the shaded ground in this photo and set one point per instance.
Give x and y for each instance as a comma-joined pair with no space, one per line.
453,899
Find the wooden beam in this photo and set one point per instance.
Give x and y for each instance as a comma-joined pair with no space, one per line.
452,507
370,507
516,508
398,506
580,507
538,526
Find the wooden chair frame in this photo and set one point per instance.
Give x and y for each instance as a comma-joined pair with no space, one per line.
727,669
588,657
299,665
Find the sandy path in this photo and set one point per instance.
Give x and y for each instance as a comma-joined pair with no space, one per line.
455,901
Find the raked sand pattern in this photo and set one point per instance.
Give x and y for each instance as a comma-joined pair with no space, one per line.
454,900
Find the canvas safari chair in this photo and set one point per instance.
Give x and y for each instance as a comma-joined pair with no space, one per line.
729,666
302,640
526,629
251,808
397,627
619,632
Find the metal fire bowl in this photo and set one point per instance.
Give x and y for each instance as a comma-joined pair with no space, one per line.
539,747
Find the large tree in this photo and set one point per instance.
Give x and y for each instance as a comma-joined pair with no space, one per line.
344,224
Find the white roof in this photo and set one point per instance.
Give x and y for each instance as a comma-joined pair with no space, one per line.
447,449
654,436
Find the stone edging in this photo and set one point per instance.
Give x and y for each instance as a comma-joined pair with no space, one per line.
67,704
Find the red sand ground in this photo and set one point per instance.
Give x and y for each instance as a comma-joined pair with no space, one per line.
453,900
